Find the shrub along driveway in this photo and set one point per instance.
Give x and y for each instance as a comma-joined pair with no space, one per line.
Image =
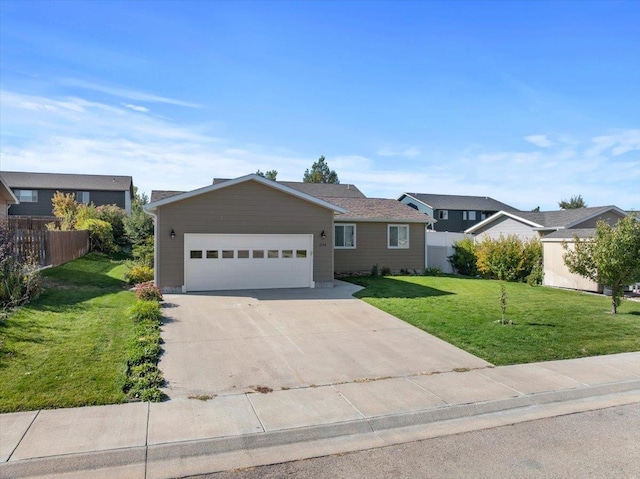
278,339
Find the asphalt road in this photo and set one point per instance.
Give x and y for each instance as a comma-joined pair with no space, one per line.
596,444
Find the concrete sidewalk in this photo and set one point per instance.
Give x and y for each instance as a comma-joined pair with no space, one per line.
189,436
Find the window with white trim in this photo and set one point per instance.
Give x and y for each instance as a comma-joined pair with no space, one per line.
469,215
398,236
27,196
344,236
443,214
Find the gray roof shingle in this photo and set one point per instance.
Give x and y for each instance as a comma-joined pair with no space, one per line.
569,233
325,190
459,202
157,195
66,181
377,209
561,218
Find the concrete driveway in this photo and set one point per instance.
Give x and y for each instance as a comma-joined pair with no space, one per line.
237,342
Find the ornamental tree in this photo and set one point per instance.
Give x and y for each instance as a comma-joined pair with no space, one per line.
611,258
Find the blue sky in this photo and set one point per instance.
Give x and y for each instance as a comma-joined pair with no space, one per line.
526,102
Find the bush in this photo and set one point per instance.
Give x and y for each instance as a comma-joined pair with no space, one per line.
374,270
138,273
432,271
143,252
114,215
100,234
145,311
385,271
464,259
508,258
148,292
19,280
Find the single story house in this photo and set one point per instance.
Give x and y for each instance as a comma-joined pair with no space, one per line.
7,198
255,233
35,190
537,224
454,213
553,228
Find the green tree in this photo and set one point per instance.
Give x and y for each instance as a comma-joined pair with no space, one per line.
611,258
574,203
320,173
464,257
269,175
138,226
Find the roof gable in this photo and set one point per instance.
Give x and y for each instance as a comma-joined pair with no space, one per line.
6,193
168,197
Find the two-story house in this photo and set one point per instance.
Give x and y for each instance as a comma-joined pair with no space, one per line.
34,191
454,213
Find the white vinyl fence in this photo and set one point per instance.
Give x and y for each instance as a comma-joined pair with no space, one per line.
439,246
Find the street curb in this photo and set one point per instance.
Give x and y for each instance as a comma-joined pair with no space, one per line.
144,455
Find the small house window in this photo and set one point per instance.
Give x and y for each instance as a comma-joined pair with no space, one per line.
82,197
195,254
27,196
243,254
212,254
398,236
469,215
301,253
273,254
287,253
227,254
258,253
443,214
345,236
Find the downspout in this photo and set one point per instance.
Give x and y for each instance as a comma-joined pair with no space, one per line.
426,246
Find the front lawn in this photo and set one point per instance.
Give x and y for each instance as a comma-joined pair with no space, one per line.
548,323
69,347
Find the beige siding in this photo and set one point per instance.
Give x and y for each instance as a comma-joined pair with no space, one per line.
506,226
371,248
245,208
611,217
557,274
3,209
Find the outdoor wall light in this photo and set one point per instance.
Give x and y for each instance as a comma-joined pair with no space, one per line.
323,235
173,234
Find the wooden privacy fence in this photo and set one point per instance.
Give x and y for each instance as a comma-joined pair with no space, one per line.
31,222
50,248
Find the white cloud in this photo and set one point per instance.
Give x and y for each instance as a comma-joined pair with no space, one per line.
406,153
617,143
126,93
539,140
136,107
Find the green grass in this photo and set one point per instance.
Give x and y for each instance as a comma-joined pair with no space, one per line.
69,347
548,323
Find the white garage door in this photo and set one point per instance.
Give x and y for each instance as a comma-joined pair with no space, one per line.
224,262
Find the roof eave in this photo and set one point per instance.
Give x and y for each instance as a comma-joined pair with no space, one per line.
355,219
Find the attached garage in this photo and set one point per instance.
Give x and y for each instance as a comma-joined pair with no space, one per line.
237,261
245,233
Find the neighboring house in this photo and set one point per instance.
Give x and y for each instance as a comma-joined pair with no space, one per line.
254,233
454,213
7,198
536,224
378,231
555,271
35,190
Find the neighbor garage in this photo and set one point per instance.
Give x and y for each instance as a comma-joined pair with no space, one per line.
245,233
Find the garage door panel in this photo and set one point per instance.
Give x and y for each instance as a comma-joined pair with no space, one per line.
226,262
